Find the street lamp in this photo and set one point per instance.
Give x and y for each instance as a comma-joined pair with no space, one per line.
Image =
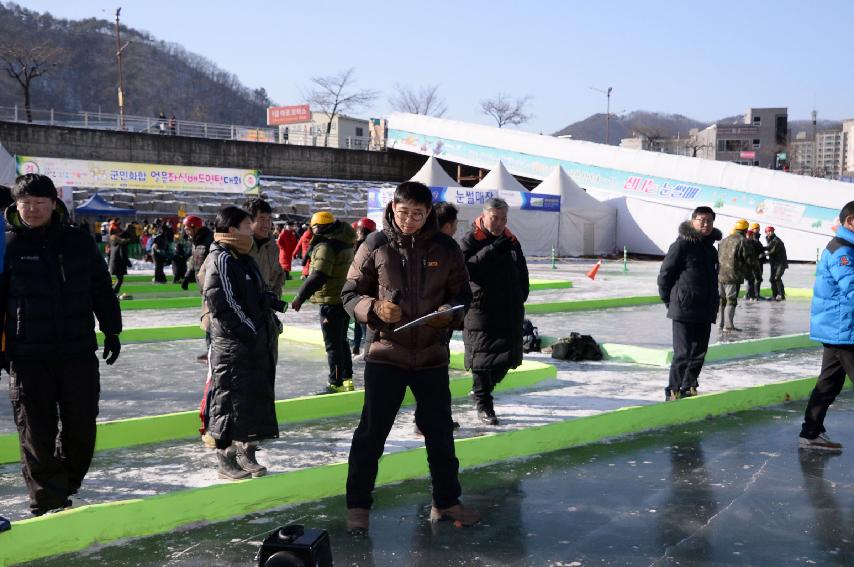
607,94
119,49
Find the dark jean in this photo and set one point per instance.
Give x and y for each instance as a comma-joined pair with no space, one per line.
690,344
483,383
385,387
836,362
334,322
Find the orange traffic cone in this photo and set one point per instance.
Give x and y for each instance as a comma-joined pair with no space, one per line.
594,270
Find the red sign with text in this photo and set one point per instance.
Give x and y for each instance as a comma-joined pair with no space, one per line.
278,115
748,155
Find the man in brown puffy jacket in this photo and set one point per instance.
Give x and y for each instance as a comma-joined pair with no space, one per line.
264,250
405,271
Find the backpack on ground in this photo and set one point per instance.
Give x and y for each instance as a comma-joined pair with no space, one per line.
576,347
530,337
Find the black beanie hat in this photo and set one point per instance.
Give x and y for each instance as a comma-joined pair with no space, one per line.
34,185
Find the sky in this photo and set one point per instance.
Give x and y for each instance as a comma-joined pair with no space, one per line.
703,61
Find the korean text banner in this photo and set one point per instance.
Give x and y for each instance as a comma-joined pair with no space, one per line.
126,175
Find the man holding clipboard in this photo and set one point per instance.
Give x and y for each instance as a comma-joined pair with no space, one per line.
401,273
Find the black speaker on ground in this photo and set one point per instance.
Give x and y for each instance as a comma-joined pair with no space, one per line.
295,546
5,524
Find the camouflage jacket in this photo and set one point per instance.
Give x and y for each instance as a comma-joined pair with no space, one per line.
736,259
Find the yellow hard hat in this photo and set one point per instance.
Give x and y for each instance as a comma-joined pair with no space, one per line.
741,224
754,226
321,217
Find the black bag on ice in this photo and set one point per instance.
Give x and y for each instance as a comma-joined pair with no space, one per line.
530,337
576,347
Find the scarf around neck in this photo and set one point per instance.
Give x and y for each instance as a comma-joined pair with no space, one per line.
240,243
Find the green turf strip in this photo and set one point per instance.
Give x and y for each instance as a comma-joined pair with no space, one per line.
179,425
79,528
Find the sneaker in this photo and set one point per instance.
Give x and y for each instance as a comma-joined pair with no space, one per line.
358,520
692,391
125,297
246,459
348,385
203,358
333,389
458,513
820,443
355,351
675,395
779,298
228,468
487,416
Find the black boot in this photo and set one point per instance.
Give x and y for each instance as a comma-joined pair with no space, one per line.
486,414
246,459
228,467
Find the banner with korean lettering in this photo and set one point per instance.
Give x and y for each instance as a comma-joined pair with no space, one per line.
279,115
143,176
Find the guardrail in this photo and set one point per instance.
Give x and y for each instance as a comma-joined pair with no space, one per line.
311,136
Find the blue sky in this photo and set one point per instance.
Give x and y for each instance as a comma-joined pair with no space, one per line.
667,56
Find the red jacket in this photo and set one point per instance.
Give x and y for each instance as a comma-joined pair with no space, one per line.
287,242
302,250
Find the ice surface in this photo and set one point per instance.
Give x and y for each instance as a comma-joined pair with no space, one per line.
732,491
648,325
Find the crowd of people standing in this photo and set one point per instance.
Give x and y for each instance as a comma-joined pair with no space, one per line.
407,285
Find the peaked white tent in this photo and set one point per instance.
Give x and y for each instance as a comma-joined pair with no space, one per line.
537,230
432,174
587,226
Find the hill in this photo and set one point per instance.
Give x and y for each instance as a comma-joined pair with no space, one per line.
592,128
158,76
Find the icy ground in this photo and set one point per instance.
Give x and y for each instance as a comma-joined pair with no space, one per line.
156,378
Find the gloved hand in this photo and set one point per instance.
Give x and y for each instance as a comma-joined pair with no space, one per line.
112,348
296,304
502,244
270,301
387,311
185,284
441,321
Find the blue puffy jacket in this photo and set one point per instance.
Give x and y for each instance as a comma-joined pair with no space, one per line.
832,312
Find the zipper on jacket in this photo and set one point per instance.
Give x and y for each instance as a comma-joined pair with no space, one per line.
61,269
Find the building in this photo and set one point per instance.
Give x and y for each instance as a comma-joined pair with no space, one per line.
757,140
346,132
848,148
802,154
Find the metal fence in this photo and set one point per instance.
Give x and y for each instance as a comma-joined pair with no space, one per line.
167,127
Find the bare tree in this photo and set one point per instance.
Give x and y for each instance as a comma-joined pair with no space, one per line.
695,144
424,101
506,110
334,94
27,63
653,136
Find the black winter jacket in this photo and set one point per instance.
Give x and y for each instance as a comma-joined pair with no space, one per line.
119,255
244,336
54,283
688,279
499,281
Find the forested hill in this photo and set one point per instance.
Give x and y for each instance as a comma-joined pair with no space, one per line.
158,76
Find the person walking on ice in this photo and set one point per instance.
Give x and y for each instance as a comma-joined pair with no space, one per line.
688,287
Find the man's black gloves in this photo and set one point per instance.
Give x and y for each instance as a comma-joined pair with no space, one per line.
270,301
503,244
112,348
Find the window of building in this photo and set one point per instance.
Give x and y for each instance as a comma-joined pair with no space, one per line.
757,121
756,162
756,143
360,132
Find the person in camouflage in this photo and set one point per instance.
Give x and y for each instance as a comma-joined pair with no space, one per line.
776,252
757,251
736,261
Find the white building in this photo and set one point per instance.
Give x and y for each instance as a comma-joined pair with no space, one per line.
346,132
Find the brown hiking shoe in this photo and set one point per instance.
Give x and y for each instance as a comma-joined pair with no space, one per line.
358,520
458,513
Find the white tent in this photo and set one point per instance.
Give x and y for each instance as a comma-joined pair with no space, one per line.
537,230
432,174
587,226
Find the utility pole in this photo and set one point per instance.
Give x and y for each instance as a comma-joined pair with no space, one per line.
814,143
119,49
607,94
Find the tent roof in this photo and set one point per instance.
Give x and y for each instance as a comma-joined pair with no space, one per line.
572,196
432,174
96,205
501,179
